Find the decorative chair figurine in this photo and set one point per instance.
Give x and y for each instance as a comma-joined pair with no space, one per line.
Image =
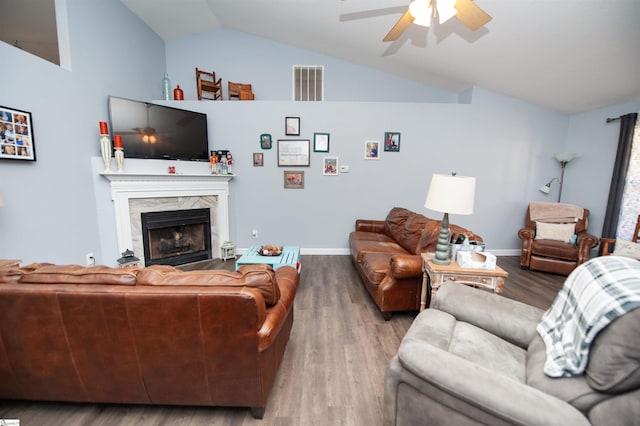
240,91
208,87
555,237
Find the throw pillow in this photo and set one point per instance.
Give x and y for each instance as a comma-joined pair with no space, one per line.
555,231
627,249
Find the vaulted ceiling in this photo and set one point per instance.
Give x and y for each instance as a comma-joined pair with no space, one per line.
567,55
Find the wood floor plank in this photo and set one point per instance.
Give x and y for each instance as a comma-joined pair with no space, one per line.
333,369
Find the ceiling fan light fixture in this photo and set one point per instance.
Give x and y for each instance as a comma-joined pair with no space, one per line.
421,12
446,10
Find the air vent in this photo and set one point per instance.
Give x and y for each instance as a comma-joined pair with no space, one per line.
308,82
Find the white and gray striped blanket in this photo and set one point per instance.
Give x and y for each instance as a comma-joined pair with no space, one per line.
594,294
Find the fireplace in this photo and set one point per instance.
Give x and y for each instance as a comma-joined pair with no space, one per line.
176,237
136,193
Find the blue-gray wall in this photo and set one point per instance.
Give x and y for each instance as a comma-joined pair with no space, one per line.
58,208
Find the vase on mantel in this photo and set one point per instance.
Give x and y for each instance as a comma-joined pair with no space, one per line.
105,146
120,159
119,152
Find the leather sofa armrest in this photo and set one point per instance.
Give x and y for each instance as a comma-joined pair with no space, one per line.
585,243
366,225
405,266
526,235
288,279
509,319
468,387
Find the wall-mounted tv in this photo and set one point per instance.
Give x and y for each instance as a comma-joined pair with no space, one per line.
158,131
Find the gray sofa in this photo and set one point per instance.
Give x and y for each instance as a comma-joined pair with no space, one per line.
475,357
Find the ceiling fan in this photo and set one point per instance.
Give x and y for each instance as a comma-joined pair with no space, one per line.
420,12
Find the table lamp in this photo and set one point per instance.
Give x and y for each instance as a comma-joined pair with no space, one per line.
449,194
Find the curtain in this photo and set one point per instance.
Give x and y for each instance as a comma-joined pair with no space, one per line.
616,190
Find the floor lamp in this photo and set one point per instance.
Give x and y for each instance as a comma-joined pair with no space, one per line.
449,194
563,159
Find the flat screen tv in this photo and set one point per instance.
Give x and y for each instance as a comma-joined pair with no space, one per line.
158,131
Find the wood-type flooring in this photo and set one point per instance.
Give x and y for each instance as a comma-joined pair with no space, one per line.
333,368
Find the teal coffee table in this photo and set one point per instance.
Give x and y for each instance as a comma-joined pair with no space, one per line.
290,257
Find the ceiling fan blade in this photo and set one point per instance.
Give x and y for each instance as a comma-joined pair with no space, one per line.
397,30
471,15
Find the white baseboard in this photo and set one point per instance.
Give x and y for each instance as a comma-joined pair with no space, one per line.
346,251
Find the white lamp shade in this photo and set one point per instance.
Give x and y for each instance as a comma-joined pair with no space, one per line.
545,189
451,194
565,157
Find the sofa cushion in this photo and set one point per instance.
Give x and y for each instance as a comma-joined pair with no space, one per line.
554,249
411,235
361,247
464,340
394,223
260,277
42,273
574,390
614,356
376,266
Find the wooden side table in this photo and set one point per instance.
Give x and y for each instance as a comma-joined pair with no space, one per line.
439,274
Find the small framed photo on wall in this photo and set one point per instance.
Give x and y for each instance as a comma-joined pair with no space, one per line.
293,179
292,126
16,135
293,152
258,159
265,141
372,150
321,142
330,166
392,141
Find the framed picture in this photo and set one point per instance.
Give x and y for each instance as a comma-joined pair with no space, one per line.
16,135
293,152
372,150
330,166
392,141
258,159
321,142
265,141
292,126
293,179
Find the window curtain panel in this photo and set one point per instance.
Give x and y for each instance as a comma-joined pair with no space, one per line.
620,167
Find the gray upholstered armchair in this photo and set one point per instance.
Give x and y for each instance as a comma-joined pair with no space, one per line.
475,357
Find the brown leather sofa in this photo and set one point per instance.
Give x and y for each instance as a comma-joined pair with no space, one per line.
153,335
386,254
540,253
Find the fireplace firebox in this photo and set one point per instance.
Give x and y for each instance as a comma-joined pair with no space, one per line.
176,237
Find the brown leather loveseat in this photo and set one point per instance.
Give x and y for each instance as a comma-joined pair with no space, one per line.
387,252
153,335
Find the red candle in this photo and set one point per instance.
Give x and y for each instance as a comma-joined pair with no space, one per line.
117,141
104,130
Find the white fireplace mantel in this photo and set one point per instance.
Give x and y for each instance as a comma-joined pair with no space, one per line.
126,186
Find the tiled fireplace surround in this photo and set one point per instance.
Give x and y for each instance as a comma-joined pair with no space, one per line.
135,193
